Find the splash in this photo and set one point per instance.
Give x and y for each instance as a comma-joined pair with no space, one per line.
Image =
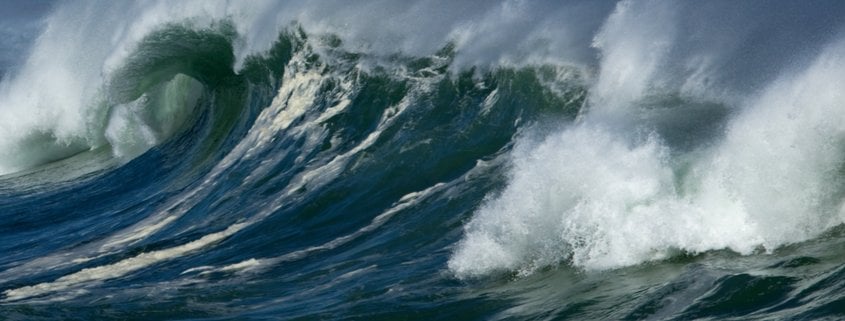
610,191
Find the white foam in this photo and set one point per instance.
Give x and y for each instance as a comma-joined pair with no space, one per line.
246,265
598,197
783,156
60,95
118,269
138,233
766,184
54,105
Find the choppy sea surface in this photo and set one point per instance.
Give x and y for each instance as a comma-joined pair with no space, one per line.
427,160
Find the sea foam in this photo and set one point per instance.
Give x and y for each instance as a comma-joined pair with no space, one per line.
598,197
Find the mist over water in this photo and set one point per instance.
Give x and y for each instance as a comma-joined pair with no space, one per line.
611,190
528,159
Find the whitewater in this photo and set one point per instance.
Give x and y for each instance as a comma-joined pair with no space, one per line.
378,160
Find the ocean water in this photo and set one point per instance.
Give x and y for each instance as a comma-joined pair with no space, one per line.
427,160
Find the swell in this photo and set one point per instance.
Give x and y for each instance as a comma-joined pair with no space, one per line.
287,146
325,179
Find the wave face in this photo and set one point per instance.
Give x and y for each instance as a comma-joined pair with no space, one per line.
435,160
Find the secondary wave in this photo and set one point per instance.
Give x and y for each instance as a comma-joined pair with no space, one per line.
598,197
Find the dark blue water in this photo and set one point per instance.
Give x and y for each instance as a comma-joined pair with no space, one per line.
578,160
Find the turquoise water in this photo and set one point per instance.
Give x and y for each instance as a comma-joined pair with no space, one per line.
525,161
